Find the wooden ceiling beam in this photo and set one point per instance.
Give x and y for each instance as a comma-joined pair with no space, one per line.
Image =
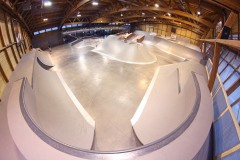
228,4
165,17
9,7
169,22
72,10
175,12
206,5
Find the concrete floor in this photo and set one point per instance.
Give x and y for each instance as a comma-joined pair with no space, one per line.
109,90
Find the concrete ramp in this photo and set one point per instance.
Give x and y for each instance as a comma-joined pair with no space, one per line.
164,107
178,50
90,42
125,52
58,112
45,59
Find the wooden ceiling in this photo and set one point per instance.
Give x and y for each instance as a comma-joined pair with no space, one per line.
183,12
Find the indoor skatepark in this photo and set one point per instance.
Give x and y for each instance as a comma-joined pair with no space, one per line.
119,80
107,116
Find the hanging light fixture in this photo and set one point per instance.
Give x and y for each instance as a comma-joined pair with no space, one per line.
198,12
95,3
78,14
47,3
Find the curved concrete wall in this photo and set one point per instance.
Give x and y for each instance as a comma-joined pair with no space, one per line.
186,146
57,114
164,109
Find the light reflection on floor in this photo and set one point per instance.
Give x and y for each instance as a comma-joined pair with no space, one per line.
109,90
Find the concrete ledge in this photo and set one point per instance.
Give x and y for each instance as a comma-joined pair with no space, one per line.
164,109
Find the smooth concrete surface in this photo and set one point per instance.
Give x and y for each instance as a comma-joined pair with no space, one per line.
45,58
56,113
29,144
109,90
189,143
8,149
164,105
177,49
128,51
89,42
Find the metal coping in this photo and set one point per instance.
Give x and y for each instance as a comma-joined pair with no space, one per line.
119,154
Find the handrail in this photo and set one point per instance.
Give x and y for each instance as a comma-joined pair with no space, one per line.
230,43
119,154
7,46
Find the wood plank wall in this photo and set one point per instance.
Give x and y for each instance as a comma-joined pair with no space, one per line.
10,51
165,30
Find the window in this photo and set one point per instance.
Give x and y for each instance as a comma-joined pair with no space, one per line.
74,25
222,66
54,28
226,73
236,111
63,27
229,71
231,80
42,31
69,26
48,30
234,96
236,61
36,33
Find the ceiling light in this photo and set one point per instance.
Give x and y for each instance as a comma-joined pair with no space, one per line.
78,14
45,19
94,3
169,14
144,19
143,13
121,14
198,13
156,5
154,17
47,3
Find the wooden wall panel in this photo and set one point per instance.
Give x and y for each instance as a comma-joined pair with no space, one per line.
160,26
10,29
178,31
193,36
147,28
16,51
166,30
164,27
4,33
2,84
188,34
169,29
10,51
159,32
5,66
